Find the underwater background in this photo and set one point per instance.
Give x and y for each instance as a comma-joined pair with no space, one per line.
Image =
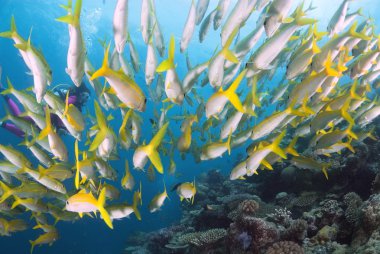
92,235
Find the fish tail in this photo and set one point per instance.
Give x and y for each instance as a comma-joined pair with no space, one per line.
7,192
41,171
275,147
329,70
254,93
16,203
299,18
291,147
156,141
228,143
76,181
48,129
33,243
372,136
169,62
228,54
349,146
305,108
102,210
230,93
102,123
344,112
136,200
324,170
10,88
68,6
12,32
70,18
353,93
350,132
352,32
105,69
165,191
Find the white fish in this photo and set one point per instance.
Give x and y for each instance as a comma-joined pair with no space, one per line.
76,54
120,25
221,11
201,10
188,30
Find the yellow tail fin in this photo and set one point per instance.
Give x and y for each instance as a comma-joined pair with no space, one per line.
328,65
136,201
151,149
70,18
345,114
275,146
7,192
352,32
230,93
351,133
102,210
228,143
102,123
105,69
48,129
228,54
32,247
169,62
13,32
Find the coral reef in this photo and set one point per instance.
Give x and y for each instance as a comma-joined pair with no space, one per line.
276,214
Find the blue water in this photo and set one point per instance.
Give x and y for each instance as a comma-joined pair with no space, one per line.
92,235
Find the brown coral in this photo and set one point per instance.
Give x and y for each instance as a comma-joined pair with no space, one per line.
287,247
248,207
297,231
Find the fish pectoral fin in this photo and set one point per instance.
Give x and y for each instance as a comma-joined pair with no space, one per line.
80,215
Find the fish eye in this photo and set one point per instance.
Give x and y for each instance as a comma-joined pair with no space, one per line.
50,72
265,22
145,100
67,202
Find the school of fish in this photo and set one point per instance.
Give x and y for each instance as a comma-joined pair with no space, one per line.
327,97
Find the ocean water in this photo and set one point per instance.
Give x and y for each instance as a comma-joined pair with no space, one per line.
37,17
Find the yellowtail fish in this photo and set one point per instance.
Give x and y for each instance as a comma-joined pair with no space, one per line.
46,238
124,87
56,144
120,25
218,100
128,181
42,74
188,30
186,191
143,152
105,139
215,149
83,202
121,211
45,180
76,54
309,163
158,201
173,86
